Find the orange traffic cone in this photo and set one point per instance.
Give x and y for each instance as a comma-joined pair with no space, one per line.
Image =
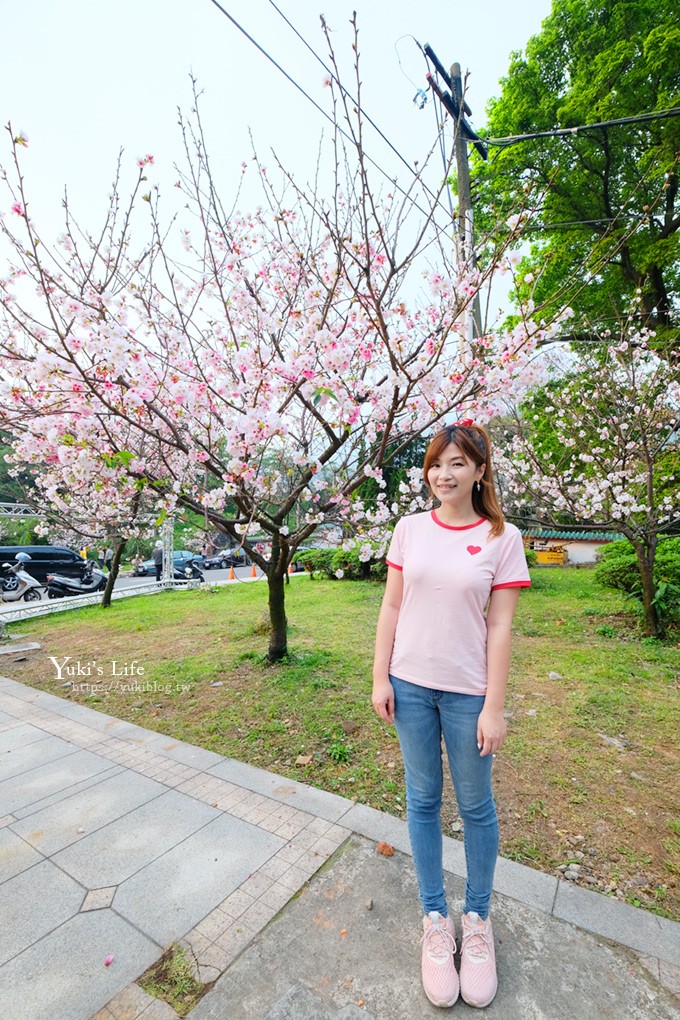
232,575
290,568
253,571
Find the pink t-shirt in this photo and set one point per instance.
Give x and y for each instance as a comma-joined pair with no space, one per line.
449,574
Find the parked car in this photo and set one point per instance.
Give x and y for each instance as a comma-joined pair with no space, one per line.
180,559
225,558
45,559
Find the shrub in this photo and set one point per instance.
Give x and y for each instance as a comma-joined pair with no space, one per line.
354,569
532,558
618,568
351,566
332,561
315,560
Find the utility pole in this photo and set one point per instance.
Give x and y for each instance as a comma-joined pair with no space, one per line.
454,102
465,214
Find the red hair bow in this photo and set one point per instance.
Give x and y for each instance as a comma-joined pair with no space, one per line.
464,424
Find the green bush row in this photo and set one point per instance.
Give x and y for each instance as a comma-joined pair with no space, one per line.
335,563
330,561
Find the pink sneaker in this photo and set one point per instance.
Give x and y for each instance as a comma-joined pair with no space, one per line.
440,979
478,981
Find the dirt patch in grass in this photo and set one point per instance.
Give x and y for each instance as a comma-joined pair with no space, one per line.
588,779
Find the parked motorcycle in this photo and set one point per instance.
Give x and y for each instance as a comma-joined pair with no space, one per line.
91,579
188,572
18,584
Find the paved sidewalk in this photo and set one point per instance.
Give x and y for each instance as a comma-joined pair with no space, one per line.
117,841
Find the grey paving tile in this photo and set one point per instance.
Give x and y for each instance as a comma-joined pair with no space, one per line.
378,826
21,692
630,926
8,720
99,899
32,904
55,827
548,970
173,894
113,853
99,722
453,856
130,1003
288,791
33,755
15,855
525,884
63,977
31,787
22,646
68,791
17,737
135,1004
66,709
175,750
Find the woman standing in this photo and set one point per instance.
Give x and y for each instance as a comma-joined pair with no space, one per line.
441,668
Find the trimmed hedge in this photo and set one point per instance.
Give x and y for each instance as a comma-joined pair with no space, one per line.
340,563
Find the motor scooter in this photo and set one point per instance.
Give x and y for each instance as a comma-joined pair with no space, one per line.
91,580
188,572
19,584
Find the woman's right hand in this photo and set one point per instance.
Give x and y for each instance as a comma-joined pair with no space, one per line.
383,699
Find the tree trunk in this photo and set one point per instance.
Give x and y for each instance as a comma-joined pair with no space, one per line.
113,572
278,638
645,558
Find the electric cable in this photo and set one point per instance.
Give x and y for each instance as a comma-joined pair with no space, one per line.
640,118
327,116
342,87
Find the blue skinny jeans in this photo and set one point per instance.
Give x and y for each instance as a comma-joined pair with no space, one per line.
422,716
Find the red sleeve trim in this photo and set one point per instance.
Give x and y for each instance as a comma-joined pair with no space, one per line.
511,584
394,565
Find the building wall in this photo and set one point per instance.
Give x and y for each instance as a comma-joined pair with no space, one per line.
583,552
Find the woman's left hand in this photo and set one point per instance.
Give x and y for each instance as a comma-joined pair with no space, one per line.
491,731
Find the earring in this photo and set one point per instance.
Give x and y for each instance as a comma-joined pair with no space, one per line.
479,485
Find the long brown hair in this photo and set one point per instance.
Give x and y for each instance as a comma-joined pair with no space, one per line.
474,443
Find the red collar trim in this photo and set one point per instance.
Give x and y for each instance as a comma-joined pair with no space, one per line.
451,527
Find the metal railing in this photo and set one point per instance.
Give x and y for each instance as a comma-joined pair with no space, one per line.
45,607
17,510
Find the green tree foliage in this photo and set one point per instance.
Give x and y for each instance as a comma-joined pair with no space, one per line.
614,190
13,487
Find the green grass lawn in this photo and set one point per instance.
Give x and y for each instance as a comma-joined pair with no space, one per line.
589,771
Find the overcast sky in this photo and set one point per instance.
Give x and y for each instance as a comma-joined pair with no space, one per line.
84,78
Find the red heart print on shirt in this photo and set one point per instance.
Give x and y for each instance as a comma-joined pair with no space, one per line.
474,549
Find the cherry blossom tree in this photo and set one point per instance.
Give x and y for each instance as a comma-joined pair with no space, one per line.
255,367
601,441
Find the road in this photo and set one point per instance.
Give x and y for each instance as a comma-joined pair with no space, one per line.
210,575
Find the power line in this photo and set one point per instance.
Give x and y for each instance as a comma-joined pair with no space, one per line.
641,118
366,117
342,87
568,224
335,125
